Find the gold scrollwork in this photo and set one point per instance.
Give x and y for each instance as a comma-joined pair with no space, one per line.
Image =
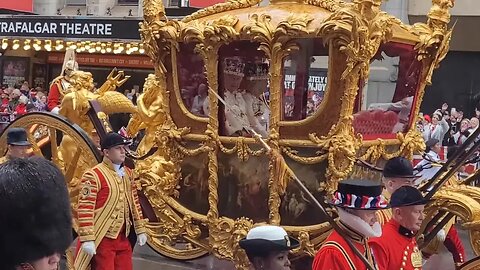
354,31
434,36
330,5
410,143
225,235
220,7
276,43
304,160
357,29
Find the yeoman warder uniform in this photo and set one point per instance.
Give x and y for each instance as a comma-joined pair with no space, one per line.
335,254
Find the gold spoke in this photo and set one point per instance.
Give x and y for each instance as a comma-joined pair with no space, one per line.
70,171
53,144
35,147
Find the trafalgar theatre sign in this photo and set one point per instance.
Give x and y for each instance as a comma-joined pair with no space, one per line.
69,27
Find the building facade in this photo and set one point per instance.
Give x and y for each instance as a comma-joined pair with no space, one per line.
104,34
457,79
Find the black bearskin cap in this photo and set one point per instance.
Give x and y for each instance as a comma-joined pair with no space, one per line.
35,216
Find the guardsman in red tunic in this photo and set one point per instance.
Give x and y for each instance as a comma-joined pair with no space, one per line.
107,200
356,202
397,247
399,172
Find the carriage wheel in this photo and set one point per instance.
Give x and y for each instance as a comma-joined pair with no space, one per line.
472,264
50,133
474,236
55,138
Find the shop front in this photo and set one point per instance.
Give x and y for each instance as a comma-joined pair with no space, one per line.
32,48
100,65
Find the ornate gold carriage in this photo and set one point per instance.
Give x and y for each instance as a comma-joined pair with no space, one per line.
238,69
296,72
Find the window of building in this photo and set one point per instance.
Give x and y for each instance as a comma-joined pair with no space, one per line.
76,2
128,2
174,3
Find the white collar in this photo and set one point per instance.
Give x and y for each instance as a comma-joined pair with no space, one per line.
359,225
119,169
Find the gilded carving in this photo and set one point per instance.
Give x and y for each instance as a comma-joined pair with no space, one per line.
221,7
276,43
434,35
330,5
410,143
225,235
353,32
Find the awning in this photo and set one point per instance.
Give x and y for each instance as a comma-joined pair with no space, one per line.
16,6
14,12
204,3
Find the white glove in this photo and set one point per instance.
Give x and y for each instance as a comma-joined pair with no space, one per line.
441,235
89,248
55,110
142,239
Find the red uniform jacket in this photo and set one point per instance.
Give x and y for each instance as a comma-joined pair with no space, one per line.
53,99
455,246
335,254
396,248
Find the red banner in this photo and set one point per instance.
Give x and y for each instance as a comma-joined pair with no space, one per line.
204,3
19,5
105,60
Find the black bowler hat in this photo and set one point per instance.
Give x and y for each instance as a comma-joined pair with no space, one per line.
399,167
113,139
359,194
407,196
17,136
263,239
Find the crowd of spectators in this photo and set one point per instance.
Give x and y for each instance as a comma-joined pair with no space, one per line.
21,99
449,127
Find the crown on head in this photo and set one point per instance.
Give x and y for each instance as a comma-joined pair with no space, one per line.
256,71
234,66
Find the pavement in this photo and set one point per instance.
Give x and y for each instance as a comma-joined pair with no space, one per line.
147,259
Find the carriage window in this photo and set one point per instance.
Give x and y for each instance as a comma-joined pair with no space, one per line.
243,83
192,80
305,80
386,101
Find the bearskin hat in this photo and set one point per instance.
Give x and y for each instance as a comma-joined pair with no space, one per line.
36,220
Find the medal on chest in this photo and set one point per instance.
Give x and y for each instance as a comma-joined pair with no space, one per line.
416,257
